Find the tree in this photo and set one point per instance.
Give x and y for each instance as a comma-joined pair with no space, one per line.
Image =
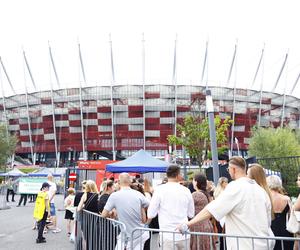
274,148
7,145
271,142
194,135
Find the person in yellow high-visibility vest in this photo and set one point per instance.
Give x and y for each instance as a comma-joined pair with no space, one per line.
41,211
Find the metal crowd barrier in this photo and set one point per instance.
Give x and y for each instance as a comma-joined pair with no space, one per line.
3,203
94,232
216,241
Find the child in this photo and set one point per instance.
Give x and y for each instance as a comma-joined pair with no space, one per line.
69,206
41,211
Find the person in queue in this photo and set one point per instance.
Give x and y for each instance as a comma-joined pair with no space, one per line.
89,199
129,205
173,203
296,207
201,198
282,207
222,183
240,203
108,189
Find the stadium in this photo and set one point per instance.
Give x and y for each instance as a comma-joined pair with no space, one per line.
60,126
48,124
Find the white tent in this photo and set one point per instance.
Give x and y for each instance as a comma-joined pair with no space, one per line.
43,172
14,173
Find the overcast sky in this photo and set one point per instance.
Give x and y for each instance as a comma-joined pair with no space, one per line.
31,24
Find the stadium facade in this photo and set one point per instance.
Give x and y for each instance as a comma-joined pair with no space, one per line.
78,123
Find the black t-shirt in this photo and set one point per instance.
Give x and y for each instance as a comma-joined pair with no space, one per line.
102,202
77,198
91,203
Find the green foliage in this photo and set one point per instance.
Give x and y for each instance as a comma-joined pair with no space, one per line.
7,145
194,135
275,149
270,142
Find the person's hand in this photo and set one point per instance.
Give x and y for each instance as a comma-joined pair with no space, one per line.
182,228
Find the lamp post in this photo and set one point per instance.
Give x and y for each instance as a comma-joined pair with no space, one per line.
184,156
212,133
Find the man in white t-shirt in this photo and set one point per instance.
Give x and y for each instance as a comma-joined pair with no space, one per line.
246,207
174,205
52,193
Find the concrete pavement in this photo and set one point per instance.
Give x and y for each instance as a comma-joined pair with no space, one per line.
16,228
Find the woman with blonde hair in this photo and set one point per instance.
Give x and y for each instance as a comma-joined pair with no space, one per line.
281,205
222,183
148,190
108,189
89,200
219,225
257,173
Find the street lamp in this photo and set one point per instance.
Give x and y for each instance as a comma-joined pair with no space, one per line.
212,133
184,156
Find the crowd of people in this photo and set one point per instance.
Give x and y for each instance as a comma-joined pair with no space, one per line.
250,205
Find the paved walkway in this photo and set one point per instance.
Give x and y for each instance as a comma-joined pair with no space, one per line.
16,229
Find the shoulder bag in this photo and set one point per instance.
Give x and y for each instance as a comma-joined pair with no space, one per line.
292,224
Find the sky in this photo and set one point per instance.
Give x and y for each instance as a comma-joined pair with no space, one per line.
250,25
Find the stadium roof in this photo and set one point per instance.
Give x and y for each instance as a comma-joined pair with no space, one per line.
235,39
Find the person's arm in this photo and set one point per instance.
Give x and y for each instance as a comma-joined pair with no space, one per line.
191,206
53,192
204,214
217,208
153,206
47,204
105,213
81,203
201,216
144,216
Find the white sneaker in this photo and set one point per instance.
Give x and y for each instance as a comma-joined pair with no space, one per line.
57,230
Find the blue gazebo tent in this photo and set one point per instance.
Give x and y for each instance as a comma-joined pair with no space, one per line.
140,162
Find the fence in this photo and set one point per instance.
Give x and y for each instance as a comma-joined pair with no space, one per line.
94,232
169,240
289,167
3,203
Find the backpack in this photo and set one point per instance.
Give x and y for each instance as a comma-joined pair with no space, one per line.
40,206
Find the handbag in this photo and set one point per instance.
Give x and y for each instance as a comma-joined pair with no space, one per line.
292,224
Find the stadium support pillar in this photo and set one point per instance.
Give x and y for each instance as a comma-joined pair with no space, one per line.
53,106
174,81
143,80
112,99
212,133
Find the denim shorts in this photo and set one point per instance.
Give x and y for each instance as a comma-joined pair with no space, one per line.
52,209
